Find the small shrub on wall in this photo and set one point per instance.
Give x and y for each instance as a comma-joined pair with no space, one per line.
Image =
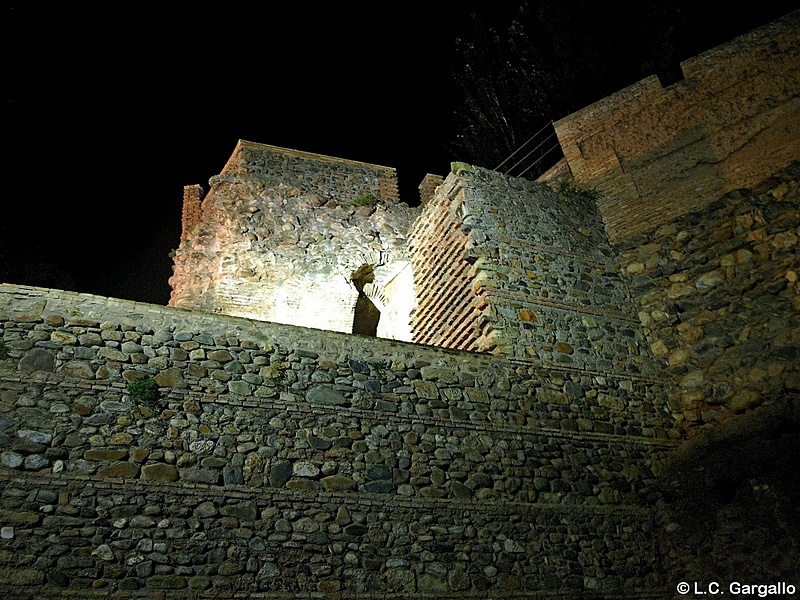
144,394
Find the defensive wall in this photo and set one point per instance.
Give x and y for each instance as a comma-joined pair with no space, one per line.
603,331
488,263
697,187
717,292
656,153
287,461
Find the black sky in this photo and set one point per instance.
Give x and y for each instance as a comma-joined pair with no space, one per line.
110,112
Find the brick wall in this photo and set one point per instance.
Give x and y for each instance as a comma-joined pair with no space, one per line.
657,153
192,199
447,310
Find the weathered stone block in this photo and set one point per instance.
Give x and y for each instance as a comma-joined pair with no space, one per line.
160,472
120,469
211,476
109,454
172,377
337,483
280,473
326,395
37,359
244,512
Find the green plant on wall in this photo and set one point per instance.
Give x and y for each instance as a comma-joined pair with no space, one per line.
275,375
144,394
278,381
568,186
365,199
3,350
379,366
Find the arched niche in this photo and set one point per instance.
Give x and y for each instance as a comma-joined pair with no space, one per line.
366,315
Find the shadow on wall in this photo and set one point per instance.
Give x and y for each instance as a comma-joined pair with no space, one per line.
365,315
729,501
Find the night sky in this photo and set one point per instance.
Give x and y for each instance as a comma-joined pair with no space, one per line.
109,114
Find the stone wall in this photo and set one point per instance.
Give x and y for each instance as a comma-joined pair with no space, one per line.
278,461
718,293
524,270
658,153
282,234
548,280
727,508
284,462
495,264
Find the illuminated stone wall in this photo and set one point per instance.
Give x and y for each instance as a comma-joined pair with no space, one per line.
287,461
717,292
490,263
657,153
282,234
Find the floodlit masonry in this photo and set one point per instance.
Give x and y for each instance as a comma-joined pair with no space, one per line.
515,389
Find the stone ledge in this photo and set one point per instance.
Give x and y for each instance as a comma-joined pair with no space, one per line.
35,480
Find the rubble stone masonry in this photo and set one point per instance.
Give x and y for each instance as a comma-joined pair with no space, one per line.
288,462
602,399
718,293
281,235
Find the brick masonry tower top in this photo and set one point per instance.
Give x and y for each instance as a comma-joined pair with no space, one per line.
657,153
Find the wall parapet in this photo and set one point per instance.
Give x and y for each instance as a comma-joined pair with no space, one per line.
251,157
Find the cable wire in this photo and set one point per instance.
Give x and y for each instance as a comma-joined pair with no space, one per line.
539,159
529,153
523,145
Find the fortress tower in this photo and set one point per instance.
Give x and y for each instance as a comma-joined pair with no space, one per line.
298,238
